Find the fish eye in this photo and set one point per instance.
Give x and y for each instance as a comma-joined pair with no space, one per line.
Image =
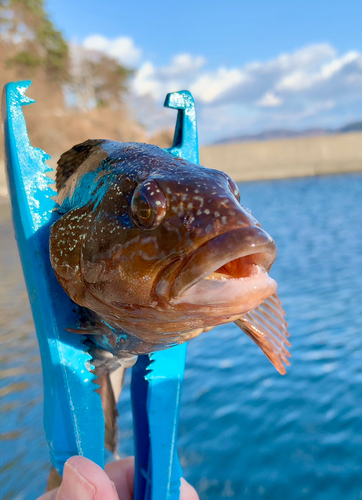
234,189
148,205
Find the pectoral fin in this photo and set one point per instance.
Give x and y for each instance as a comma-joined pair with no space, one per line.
267,327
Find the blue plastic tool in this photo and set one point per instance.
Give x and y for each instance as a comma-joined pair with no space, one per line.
73,416
157,378
68,389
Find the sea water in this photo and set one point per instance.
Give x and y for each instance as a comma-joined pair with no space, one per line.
245,431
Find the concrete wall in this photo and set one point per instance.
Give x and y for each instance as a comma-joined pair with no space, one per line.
277,159
300,157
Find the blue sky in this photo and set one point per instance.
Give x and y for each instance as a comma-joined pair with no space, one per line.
251,66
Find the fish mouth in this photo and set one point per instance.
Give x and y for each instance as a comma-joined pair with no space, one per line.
229,269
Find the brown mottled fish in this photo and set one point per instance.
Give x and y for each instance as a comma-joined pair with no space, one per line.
158,250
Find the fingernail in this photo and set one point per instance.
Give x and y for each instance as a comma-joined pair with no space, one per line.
75,486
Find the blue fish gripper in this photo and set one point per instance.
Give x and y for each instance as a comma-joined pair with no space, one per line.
73,415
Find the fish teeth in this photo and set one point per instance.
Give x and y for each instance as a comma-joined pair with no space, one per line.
219,277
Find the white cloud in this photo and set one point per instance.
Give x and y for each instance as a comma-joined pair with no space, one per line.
146,82
285,91
157,82
121,48
269,100
330,69
263,83
182,64
301,79
210,86
312,86
307,57
185,71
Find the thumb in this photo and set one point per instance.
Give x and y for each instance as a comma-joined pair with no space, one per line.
85,480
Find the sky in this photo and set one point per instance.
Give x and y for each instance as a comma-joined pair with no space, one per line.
251,66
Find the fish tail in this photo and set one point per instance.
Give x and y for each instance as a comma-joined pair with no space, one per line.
54,479
110,387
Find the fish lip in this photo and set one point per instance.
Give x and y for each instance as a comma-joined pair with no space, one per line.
221,250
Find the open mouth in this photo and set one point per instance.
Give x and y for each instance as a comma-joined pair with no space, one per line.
229,269
243,267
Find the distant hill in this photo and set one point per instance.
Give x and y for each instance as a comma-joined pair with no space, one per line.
285,133
352,127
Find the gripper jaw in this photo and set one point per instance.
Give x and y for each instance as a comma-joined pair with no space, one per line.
70,404
73,415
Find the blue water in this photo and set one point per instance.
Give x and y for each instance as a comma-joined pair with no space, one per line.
245,431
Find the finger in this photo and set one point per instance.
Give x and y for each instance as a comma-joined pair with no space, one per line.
121,473
50,495
187,492
85,480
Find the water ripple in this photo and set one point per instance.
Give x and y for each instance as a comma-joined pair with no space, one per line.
245,431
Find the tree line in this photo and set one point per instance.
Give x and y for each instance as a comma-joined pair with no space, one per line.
80,94
33,46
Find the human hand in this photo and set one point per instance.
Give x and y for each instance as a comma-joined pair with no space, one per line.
85,480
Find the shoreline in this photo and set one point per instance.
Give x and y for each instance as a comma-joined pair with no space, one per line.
286,158
275,159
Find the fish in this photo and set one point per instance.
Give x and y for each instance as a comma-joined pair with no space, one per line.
156,250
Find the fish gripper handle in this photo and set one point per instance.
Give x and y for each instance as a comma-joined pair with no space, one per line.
157,378
73,416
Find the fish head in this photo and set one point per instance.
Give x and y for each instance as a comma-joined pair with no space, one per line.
218,254
163,244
